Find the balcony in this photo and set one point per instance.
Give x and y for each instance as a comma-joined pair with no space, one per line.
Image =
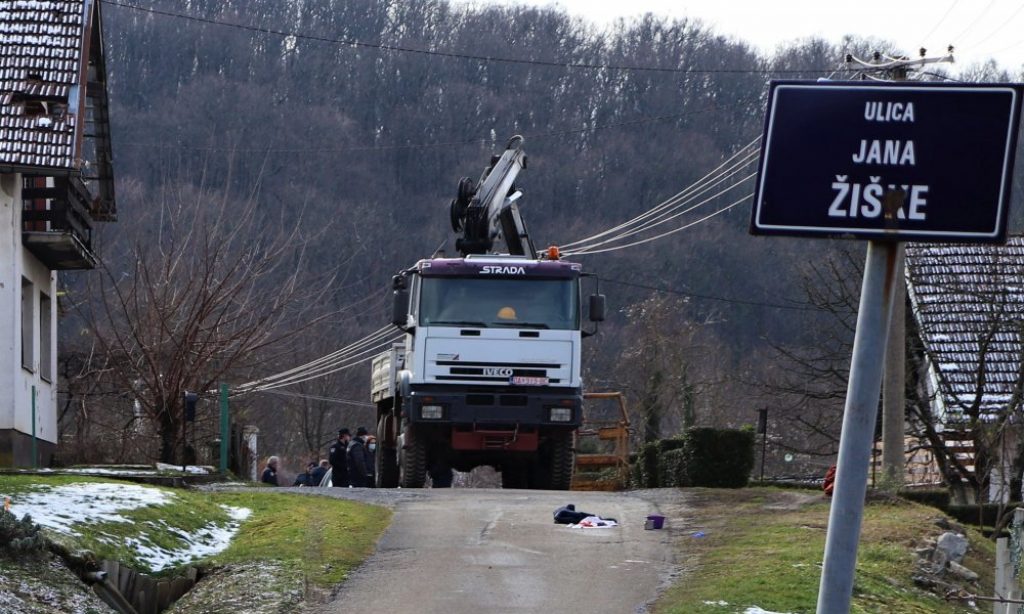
56,224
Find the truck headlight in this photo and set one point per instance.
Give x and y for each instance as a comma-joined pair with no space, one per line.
560,414
432,412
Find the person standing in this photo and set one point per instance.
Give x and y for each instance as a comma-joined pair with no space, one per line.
357,471
339,458
371,460
270,472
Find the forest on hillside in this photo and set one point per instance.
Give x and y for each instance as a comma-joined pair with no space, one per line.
314,147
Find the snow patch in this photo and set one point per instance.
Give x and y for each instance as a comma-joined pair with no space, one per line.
196,469
209,540
757,610
59,507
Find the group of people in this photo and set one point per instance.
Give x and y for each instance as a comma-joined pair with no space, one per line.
350,459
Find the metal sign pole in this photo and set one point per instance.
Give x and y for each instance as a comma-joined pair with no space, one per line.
857,438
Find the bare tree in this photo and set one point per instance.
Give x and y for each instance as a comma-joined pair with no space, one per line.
210,286
668,364
807,382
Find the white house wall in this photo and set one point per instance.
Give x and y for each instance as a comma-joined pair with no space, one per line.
16,382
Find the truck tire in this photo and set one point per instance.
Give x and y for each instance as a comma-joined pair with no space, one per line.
412,465
386,458
560,461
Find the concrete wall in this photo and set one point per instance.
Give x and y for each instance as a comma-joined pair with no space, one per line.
17,379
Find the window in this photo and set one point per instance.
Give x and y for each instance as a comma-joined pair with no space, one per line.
45,337
28,354
499,302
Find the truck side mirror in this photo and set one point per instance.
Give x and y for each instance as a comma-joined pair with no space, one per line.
597,308
400,307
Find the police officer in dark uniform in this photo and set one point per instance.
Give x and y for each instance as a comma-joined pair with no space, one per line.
338,459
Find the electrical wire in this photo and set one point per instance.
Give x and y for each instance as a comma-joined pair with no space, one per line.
352,361
664,216
674,199
364,148
956,39
939,22
707,297
1002,26
314,397
327,361
664,234
446,54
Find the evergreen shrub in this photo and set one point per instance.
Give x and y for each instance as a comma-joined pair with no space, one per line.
19,536
719,458
673,469
645,470
934,497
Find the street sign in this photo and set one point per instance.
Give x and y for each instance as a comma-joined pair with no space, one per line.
876,160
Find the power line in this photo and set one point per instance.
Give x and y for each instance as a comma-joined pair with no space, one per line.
940,21
708,296
478,141
450,54
673,208
584,252
314,397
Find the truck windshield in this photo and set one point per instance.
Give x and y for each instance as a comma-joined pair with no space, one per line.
499,302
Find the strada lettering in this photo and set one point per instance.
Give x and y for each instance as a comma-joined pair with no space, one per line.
503,270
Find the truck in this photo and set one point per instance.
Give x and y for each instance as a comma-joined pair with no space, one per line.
488,369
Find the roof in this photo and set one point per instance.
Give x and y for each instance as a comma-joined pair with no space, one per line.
42,75
968,301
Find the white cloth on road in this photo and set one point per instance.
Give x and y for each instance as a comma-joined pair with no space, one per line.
594,522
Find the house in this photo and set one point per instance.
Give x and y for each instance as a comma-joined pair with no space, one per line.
56,181
967,303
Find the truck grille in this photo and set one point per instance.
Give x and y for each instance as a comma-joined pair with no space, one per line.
494,371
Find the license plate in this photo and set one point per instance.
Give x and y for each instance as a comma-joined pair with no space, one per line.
523,380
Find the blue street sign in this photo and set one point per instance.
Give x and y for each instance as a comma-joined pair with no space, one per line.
920,162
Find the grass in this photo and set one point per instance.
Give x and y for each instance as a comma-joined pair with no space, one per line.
322,538
325,538
765,552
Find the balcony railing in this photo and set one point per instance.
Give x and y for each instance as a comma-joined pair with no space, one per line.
56,225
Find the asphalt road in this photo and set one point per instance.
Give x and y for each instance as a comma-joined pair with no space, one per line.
472,551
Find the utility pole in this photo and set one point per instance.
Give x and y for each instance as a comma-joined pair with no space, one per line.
874,314
894,382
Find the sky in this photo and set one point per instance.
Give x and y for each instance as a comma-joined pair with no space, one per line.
978,29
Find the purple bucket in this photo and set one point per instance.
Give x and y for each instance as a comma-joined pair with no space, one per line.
656,521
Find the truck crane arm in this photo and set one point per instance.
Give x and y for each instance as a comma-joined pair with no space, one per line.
487,210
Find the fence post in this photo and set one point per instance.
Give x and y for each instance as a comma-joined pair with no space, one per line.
225,434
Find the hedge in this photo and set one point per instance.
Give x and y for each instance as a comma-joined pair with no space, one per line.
934,497
673,468
645,470
968,514
717,458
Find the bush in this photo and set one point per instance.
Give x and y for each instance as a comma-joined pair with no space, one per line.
669,467
19,536
673,468
969,514
934,497
645,470
719,458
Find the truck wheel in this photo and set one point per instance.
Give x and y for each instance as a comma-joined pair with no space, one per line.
386,459
560,461
412,461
